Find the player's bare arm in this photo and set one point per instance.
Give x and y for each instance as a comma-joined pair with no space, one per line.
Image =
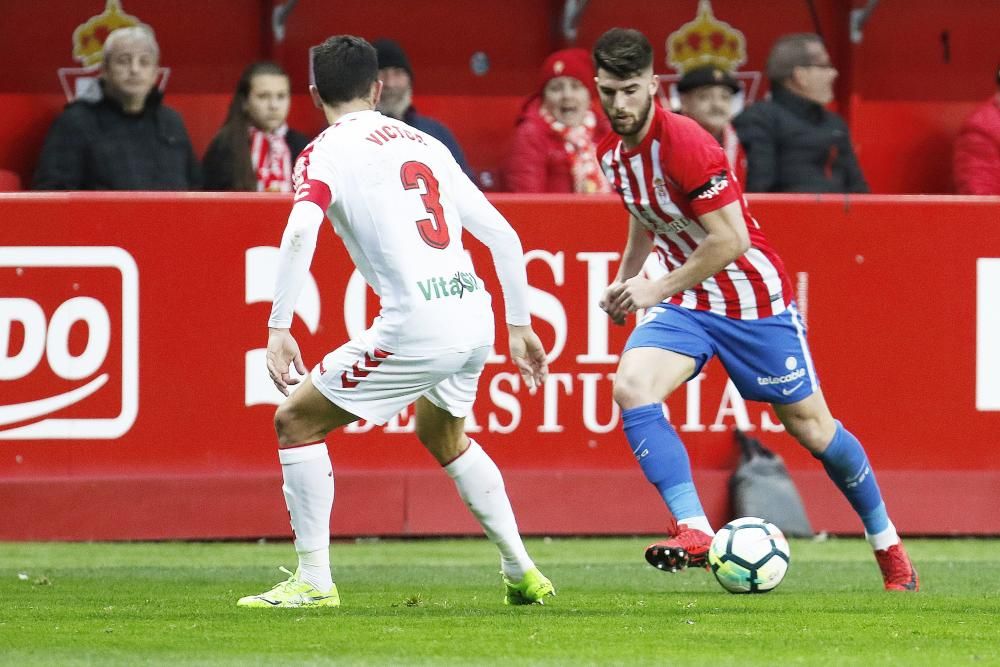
726,241
528,355
637,249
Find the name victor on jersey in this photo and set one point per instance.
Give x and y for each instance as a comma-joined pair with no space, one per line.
389,132
440,287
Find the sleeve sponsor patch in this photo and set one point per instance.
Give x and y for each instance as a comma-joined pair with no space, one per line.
712,189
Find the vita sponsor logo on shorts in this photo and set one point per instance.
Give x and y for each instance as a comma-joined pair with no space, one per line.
441,287
791,363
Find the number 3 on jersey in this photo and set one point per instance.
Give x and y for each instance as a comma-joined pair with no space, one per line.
433,230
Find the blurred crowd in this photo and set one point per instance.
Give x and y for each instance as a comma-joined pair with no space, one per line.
126,138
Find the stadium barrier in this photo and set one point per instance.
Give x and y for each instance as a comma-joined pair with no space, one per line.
134,402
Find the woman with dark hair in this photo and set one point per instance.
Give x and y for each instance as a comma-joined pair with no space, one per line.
254,150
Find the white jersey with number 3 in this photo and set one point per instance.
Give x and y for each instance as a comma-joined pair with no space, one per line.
399,202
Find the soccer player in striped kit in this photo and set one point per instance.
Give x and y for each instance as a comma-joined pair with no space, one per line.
725,293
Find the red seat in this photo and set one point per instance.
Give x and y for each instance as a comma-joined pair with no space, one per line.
9,181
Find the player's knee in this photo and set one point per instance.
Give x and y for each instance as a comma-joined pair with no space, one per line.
809,432
630,391
285,426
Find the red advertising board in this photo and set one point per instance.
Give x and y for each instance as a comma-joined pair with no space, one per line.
134,403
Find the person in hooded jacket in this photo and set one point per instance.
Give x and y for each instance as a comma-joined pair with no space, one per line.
554,148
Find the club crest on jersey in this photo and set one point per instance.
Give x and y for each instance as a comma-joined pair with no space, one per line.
660,190
441,287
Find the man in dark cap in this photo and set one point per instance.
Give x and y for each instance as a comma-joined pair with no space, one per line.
707,97
397,97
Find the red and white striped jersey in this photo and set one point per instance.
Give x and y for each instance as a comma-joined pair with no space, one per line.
677,173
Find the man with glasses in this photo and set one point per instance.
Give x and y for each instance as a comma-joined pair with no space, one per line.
792,142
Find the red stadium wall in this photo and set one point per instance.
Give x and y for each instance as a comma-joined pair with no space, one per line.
157,422
905,93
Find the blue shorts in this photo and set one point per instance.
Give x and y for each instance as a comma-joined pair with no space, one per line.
767,359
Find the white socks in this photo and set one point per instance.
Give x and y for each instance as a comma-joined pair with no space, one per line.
308,490
884,539
481,487
698,523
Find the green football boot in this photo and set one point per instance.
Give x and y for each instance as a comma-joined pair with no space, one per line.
530,590
292,593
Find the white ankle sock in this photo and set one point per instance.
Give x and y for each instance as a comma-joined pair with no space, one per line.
314,569
884,539
481,487
308,489
698,523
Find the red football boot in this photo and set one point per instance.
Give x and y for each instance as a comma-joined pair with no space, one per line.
687,548
897,570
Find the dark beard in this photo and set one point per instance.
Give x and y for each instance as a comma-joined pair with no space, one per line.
631,128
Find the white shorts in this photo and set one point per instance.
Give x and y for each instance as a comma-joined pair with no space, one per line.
376,385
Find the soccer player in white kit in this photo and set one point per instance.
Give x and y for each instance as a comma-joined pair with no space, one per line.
399,202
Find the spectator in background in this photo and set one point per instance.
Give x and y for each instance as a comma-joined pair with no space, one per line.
397,98
254,151
127,139
555,141
977,150
793,143
707,97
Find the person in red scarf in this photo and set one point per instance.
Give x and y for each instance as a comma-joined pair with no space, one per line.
254,151
555,141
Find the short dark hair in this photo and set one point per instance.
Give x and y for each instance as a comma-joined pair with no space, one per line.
344,68
789,52
623,52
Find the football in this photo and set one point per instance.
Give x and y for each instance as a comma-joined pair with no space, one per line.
749,555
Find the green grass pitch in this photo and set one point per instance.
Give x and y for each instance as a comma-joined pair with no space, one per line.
439,602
